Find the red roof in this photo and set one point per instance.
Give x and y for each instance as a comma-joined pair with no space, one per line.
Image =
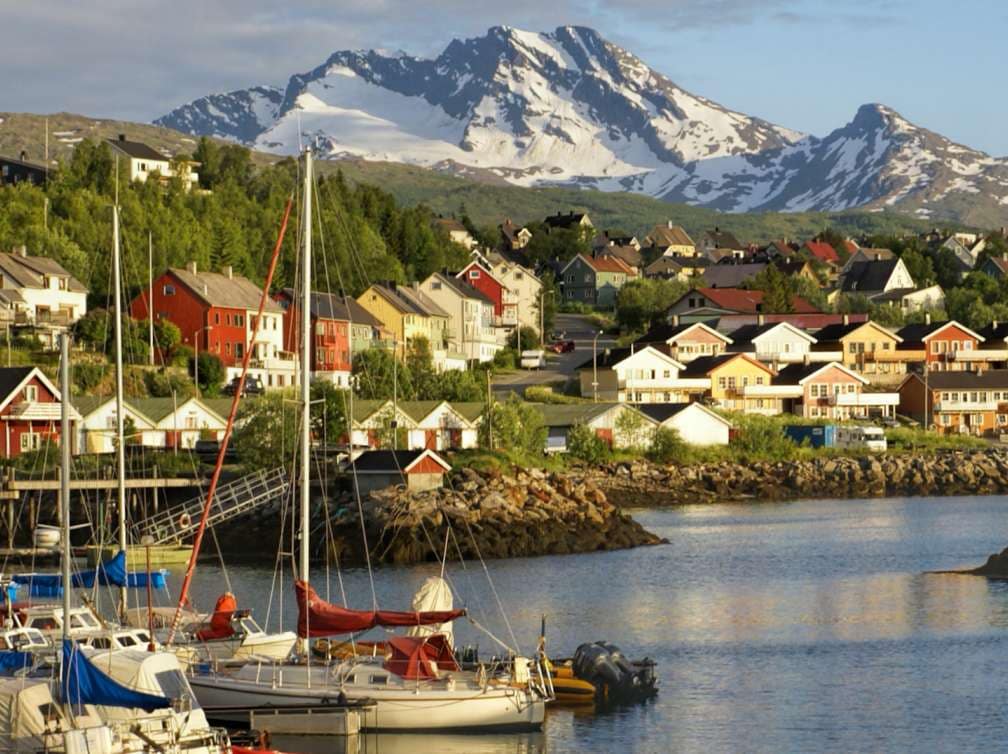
744,300
609,264
822,251
851,246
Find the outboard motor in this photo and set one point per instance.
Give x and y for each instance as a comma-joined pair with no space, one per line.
616,679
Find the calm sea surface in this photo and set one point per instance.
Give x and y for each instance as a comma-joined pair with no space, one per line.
808,626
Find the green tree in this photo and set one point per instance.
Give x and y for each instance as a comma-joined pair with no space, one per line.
584,444
777,290
515,426
523,339
378,376
642,303
667,446
266,429
211,372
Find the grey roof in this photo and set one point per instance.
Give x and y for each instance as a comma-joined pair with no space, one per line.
702,365
743,336
462,288
869,276
216,289
24,163
722,239
331,306
629,254
28,271
665,235
833,333
663,265
10,378
421,302
989,378
661,333
913,335
792,374
564,220
612,356
387,461
995,331
137,150
569,414
731,275
661,412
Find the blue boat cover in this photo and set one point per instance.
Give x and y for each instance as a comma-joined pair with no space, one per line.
11,662
110,573
83,683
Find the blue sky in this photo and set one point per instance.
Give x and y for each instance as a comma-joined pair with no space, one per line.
805,64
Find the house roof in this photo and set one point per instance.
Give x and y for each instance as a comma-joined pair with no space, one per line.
790,266
1000,263
914,335
510,230
663,265
569,414
608,264
748,301
11,379
564,219
833,333
462,288
869,276
951,380
24,163
722,239
137,150
665,235
28,271
747,333
88,404
421,301
469,410
217,289
823,251
331,306
626,253
796,374
662,412
610,357
450,224
664,332
867,253
394,461
704,365
731,275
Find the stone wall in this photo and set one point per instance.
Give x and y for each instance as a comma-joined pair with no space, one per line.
934,473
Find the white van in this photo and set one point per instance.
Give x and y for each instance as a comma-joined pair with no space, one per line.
533,360
872,438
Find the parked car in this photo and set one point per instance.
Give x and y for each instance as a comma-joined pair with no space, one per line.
561,346
253,386
533,360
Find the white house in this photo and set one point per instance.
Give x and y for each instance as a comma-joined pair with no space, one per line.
142,161
470,316
695,423
875,277
619,425
638,375
440,425
38,292
151,422
779,343
932,297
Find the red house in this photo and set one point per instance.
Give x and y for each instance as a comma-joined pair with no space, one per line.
480,278
29,410
943,346
823,251
331,339
216,313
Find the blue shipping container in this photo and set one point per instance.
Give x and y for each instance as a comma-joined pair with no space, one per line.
818,436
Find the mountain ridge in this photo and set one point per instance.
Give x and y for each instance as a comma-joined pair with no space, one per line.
570,108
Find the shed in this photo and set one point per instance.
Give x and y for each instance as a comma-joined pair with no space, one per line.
418,469
695,423
602,418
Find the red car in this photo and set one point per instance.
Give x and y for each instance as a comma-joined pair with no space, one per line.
561,346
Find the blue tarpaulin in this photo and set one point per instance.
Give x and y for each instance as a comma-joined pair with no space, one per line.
11,662
83,683
110,573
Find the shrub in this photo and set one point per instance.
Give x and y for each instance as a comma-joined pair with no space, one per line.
523,339
211,372
87,377
584,444
517,427
667,446
180,357
506,358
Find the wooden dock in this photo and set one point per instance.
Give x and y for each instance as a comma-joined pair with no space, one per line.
12,489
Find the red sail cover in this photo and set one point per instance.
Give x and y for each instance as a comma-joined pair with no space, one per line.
412,656
316,617
220,623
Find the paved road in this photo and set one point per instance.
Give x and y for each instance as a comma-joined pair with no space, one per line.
558,366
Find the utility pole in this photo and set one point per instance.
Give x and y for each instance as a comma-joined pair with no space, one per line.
150,292
489,411
595,366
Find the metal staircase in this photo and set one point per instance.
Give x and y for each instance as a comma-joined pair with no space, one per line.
232,500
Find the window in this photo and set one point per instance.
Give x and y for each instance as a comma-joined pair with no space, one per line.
227,349
239,320
217,318
436,285
378,680
168,290
31,393
30,441
967,345
239,350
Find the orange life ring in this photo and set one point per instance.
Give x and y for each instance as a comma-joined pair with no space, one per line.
184,520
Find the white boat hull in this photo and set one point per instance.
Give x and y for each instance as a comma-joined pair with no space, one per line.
409,707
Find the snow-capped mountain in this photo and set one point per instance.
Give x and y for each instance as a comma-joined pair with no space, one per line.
569,107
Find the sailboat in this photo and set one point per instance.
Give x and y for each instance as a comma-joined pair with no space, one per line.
419,686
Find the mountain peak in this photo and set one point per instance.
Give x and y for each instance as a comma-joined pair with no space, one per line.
569,107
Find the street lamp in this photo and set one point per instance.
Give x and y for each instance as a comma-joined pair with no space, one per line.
595,366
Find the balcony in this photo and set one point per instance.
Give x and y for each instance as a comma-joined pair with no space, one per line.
966,406
35,411
793,357
866,399
980,355
684,384
773,391
891,356
49,318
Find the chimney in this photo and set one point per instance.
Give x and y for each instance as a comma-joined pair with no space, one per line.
229,272
878,257
759,319
191,267
927,318
669,222
21,251
675,320
122,137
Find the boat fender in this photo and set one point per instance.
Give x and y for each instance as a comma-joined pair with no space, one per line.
185,520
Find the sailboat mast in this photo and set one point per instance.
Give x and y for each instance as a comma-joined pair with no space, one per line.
306,285
64,499
120,438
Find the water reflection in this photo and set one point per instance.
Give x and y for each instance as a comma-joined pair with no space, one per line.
777,627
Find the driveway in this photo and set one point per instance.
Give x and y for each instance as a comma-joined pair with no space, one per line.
559,367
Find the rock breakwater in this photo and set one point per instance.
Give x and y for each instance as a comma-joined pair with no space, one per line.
641,483
493,515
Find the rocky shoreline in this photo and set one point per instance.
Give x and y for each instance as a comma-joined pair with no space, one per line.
644,484
490,515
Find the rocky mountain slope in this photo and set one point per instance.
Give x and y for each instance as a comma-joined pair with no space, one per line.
571,108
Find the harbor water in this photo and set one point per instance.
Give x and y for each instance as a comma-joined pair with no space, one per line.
803,626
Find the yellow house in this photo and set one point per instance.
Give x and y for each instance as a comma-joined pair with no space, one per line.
868,348
730,374
408,314
670,240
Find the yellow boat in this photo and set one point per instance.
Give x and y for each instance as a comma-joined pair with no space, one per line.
569,690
